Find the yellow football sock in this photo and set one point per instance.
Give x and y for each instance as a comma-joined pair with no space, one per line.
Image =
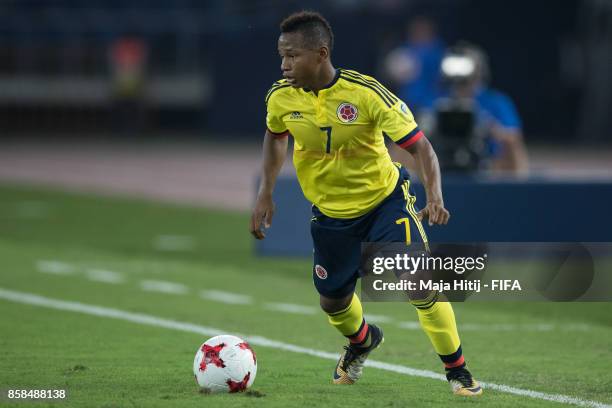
438,322
348,321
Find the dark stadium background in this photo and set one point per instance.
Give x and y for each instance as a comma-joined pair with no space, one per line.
549,56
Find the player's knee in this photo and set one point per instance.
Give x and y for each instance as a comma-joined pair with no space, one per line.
423,298
420,297
332,305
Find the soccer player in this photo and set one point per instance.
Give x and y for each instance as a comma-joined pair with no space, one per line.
338,119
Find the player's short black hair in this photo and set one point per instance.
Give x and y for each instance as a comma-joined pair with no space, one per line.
314,28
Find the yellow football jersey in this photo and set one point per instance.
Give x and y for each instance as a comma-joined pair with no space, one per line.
339,154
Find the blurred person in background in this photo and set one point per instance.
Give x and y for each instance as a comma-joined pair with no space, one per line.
475,127
415,65
127,60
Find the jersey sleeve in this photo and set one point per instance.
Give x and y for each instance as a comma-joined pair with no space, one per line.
396,121
274,122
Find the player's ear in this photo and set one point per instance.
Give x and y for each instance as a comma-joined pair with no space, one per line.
323,53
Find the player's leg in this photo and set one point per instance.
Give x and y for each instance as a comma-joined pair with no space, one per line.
346,315
397,222
336,264
437,320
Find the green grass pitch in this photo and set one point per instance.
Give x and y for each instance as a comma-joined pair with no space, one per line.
552,348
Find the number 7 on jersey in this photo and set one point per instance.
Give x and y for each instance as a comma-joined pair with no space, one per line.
328,129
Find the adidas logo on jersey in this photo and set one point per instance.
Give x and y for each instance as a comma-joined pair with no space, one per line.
296,115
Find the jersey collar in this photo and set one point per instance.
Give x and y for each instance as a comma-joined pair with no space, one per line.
332,83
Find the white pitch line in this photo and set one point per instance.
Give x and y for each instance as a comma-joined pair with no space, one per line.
101,275
530,327
61,268
374,318
226,297
32,209
32,299
163,287
291,308
507,327
411,325
174,243
55,267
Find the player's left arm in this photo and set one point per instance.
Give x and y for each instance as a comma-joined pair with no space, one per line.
428,170
397,122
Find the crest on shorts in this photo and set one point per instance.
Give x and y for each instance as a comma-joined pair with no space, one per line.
347,112
320,271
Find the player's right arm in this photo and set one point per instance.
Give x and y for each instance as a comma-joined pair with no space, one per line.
274,154
396,121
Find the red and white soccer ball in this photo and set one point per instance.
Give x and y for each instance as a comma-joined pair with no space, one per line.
225,364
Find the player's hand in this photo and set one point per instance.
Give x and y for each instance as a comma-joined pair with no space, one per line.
262,215
435,213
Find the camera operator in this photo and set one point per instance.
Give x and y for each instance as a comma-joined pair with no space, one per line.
475,127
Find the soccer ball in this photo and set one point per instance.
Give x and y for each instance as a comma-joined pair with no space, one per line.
225,364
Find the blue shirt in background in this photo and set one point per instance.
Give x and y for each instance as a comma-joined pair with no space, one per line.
421,91
496,106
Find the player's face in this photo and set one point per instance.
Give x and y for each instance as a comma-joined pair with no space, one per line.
300,66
